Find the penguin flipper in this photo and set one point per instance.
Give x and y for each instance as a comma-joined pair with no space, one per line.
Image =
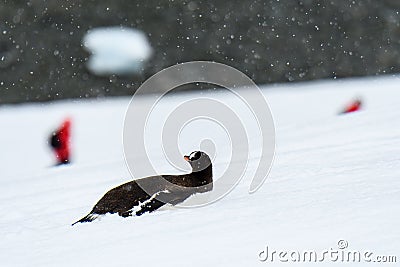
150,206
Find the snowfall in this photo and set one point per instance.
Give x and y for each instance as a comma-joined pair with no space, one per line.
335,178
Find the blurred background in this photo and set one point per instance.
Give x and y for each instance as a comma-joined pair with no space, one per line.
53,50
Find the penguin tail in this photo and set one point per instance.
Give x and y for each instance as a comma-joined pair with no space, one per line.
88,218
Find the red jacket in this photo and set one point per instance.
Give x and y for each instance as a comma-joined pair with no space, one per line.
354,106
60,142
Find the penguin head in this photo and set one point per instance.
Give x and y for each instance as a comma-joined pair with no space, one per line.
198,160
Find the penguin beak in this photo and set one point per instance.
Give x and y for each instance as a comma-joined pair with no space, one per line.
186,158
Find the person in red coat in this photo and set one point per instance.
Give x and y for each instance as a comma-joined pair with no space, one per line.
60,142
352,107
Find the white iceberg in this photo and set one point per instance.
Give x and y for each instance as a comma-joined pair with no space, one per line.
116,50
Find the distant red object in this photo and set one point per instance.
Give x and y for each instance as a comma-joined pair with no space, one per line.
60,142
352,107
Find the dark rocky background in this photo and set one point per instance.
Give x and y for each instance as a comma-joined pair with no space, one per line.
42,58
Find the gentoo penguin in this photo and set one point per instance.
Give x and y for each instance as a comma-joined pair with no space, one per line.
131,199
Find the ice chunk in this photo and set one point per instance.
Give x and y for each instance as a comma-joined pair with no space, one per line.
116,50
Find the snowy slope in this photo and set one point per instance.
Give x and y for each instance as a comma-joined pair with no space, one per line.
334,177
